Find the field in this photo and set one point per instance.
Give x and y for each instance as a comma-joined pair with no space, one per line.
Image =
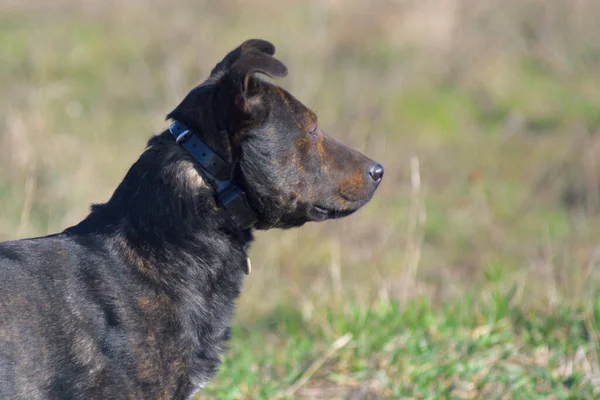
473,273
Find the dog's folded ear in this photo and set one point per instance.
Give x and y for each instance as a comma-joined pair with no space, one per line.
258,45
247,92
230,80
257,62
252,56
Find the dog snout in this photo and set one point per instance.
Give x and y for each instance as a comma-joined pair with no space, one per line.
376,172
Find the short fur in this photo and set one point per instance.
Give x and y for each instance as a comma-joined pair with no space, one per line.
135,301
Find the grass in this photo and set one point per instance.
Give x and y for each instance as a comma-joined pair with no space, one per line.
473,271
483,346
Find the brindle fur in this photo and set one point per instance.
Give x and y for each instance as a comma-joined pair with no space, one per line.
135,301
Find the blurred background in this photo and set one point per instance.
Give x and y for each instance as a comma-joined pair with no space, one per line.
485,114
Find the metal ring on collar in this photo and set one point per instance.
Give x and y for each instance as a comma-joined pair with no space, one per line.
182,136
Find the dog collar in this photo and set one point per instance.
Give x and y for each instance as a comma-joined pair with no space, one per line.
229,196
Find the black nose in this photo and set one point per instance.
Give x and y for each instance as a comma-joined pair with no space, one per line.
376,172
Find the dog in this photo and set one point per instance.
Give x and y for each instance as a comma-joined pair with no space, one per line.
135,301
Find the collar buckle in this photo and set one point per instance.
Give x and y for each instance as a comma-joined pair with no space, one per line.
180,131
235,201
229,196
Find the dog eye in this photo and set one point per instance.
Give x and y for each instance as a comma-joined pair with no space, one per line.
314,132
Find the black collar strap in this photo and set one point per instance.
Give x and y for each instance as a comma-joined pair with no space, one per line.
229,196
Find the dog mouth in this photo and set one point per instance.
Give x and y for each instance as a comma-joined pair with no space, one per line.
331,213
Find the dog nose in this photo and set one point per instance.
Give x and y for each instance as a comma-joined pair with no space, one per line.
376,172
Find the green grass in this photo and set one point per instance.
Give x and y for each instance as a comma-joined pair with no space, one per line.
481,347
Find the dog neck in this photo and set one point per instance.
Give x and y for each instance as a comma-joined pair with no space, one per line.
218,173
164,203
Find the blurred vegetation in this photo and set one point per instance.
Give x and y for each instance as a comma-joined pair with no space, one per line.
485,114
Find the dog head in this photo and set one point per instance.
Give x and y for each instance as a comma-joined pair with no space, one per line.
291,170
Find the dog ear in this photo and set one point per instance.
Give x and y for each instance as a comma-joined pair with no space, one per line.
233,74
248,97
254,61
258,45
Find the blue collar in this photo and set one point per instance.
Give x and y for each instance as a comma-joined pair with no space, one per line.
229,196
